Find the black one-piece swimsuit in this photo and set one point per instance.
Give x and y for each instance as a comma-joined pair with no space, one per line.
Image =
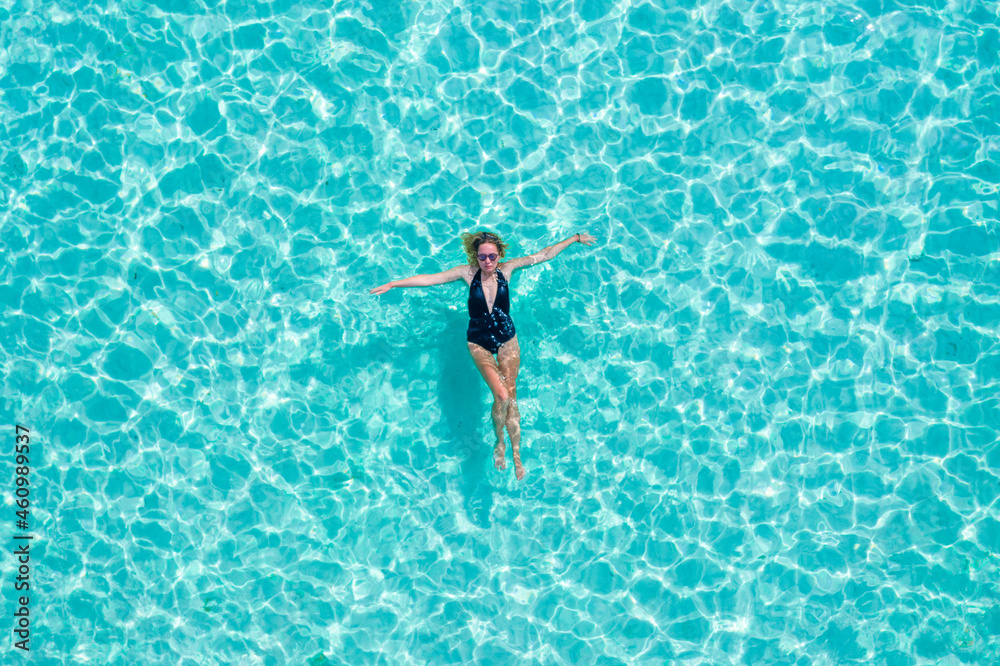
489,329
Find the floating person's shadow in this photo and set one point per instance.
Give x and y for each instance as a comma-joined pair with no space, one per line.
460,389
462,432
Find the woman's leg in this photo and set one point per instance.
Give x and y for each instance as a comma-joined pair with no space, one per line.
509,357
491,375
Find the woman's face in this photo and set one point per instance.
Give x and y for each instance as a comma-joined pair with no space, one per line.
491,254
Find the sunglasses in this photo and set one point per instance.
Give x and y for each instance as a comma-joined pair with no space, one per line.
484,257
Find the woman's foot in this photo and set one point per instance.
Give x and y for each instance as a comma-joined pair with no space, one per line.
499,461
518,468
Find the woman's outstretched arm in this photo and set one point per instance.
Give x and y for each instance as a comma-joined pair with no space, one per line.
549,252
443,277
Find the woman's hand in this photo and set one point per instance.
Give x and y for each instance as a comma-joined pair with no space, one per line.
586,239
378,291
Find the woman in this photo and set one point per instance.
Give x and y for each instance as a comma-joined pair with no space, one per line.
491,336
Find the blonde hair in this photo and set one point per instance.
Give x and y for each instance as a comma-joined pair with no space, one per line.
471,243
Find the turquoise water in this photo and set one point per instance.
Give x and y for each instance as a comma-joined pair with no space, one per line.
760,416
